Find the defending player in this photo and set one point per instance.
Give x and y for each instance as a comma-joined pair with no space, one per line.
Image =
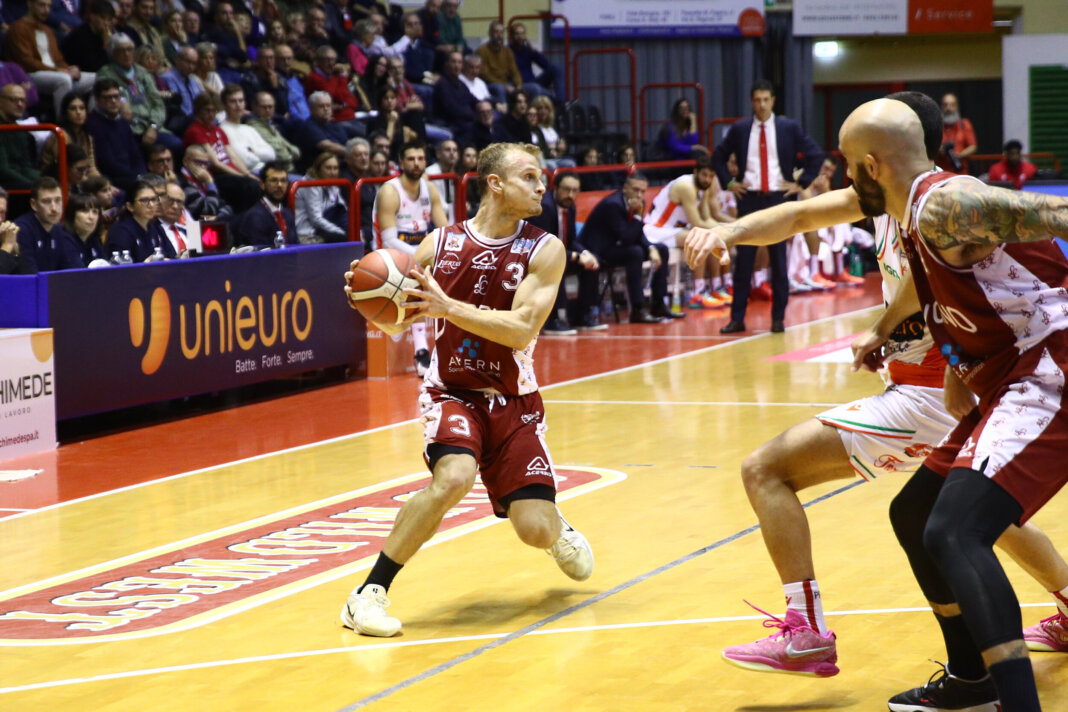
490,282
896,428
403,211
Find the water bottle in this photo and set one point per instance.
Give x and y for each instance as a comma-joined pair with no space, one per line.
676,302
116,258
157,255
126,258
279,240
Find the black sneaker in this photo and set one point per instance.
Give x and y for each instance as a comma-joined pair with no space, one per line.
946,693
422,362
555,326
590,323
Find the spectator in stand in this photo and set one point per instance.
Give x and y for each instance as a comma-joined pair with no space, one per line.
486,129
286,153
551,80
141,22
11,259
558,218
11,73
202,198
232,52
149,59
376,79
89,40
539,138
319,133
210,81
78,167
380,164
183,84
245,140
276,33
469,164
1012,168
260,224
547,121
453,102
322,213
298,109
614,233
118,153
236,183
65,16
338,22
680,137
191,26
413,30
174,218
592,181
38,236
313,37
161,162
32,45
448,155
264,77
79,235
469,75
142,103
357,166
105,193
428,18
17,148
451,28
362,49
409,100
498,63
419,61
958,136
514,124
139,230
380,142
398,128
123,12
174,36
333,78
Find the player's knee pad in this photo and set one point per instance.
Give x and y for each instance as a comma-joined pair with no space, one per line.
912,505
971,513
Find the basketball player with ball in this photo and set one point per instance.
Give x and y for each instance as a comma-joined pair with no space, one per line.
489,283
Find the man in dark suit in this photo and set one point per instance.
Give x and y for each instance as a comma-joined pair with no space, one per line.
614,232
260,224
767,149
558,218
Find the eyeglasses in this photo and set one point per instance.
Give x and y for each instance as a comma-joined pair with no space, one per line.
154,200
110,97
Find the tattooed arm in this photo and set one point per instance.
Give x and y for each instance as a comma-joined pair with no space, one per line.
969,213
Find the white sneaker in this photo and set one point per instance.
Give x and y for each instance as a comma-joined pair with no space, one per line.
572,553
365,612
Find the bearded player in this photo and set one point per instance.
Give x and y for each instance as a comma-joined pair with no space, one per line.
490,283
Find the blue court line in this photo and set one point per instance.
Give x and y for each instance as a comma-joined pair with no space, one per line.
426,674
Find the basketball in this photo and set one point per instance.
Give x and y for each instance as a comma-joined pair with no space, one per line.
378,283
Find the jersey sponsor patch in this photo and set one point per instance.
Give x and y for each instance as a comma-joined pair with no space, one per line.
454,242
522,245
449,264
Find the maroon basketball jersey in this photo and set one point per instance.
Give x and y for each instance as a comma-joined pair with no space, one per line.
485,272
983,317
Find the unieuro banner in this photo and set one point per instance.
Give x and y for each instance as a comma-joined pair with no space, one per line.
140,333
830,18
27,393
661,18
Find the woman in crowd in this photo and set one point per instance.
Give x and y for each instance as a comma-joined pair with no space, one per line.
680,137
147,58
592,181
205,71
322,213
73,114
375,79
81,222
139,231
174,35
100,187
276,33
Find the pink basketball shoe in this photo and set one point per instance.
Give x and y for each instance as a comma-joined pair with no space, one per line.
1051,635
796,649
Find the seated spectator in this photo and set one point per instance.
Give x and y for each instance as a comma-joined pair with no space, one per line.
245,140
264,77
380,164
123,12
210,81
285,152
202,198
547,146
469,164
558,218
142,103
453,102
428,19
413,30
89,40
236,183
486,129
161,162
149,59
360,51
174,218
105,193
78,167
338,23
64,17
546,114
141,22
182,81
380,142
526,58
419,60
470,76
79,235
1012,168
592,181
38,235
357,166
276,33
174,36
614,234
319,133
399,128
498,63
333,78
322,213
139,231
314,36
260,224
376,79
448,161
17,148
191,26
11,259
680,137
118,154
32,45
514,125
232,52
451,28
11,73
297,109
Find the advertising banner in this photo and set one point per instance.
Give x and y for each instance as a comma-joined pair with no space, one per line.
831,18
140,333
661,18
27,393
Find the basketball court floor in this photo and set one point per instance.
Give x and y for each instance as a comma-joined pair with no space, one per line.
200,564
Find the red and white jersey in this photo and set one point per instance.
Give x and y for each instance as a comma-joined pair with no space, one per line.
983,317
485,272
910,355
413,216
666,213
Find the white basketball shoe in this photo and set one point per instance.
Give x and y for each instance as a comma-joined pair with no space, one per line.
365,612
572,552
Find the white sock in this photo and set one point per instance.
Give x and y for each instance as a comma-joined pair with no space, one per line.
728,280
700,285
1061,597
804,598
717,284
419,335
759,277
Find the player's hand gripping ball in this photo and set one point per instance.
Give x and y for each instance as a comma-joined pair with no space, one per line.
378,283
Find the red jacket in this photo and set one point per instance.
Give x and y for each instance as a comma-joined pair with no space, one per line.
338,89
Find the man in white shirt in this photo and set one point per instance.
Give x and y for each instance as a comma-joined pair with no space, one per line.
470,77
246,140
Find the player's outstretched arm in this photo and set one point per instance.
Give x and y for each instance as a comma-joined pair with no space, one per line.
766,227
967,212
535,294
867,346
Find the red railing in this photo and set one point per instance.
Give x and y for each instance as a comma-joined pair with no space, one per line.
993,158
632,86
712,128
567,39
672,85
355,208
61,152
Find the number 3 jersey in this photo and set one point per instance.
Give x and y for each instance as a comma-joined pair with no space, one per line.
484,272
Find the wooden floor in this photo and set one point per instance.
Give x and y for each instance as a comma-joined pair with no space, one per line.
647,424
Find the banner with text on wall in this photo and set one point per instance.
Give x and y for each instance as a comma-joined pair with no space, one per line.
141,333
661,18
831,18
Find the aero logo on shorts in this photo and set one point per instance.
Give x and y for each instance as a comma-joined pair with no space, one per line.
538,467
188,583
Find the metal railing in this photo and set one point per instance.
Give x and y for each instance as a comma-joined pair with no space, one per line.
61,152
354,198
632,86
718,122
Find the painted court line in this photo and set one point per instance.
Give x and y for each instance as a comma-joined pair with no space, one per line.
756,404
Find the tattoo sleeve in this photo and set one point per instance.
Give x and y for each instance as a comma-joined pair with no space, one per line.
966,212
